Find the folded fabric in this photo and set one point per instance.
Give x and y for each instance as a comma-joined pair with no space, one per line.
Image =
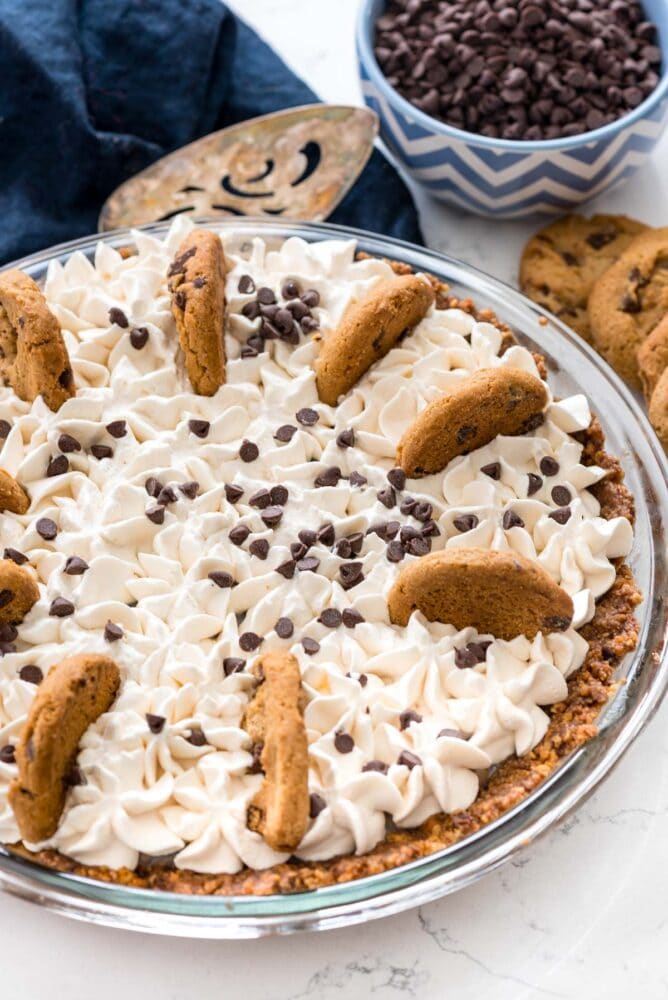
94,91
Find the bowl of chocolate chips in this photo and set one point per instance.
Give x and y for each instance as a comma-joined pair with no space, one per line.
510,108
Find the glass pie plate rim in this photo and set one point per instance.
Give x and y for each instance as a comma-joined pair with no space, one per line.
629,437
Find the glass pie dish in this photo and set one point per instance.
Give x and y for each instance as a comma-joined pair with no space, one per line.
573,367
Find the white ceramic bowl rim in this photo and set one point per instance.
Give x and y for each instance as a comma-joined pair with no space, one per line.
365,29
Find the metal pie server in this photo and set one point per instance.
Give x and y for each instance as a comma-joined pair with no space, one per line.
298,163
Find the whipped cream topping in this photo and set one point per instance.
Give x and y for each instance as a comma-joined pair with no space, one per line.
423,710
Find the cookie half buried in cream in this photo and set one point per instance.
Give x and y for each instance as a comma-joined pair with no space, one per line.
186,535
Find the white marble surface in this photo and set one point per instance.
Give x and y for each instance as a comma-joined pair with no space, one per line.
582,913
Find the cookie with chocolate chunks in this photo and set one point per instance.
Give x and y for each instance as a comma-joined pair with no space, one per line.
369,328
33,356
73,695
498,593
12,496
274,720
18,592
196,280
561,262
652,357
492,401
658,409
628,301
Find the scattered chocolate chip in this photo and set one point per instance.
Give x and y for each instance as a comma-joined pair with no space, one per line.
61,608
246,285
18,557
307,417
299,549
351,617
153,487
113,632
259,548
58,466
8,631
357,479
330,477
248,451
249,641
422,512
197,738
344,742
166,496
549,466
75,566
200,428
308,565
46,528
284,628
260,499
189,489
265,296
233,493
511,520
395,551
233,665
466,522
290,289
327,535
561,496
156,723
156,514
238,534
561,515
316,804
118,317
272,516
5,428
350,574
466,658
408,505
535,483
310,646
418,546
251,310
311,298
117,428
279,495
397,478
7,755
221,578
493,470
408,759
100,451
287,569
346,439
376,765
68,444
410,715
138,337
330,618
387,497
31,674
285,433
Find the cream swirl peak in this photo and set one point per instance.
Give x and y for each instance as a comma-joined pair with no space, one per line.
188,533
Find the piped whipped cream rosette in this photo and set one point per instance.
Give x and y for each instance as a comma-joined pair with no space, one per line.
188,534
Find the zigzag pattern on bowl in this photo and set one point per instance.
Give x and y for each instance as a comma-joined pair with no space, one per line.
490,182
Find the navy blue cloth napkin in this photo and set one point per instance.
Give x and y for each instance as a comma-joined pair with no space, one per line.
94,90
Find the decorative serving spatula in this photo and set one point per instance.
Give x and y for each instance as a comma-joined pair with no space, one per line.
299,163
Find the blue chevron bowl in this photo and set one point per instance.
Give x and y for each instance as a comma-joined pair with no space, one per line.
502,178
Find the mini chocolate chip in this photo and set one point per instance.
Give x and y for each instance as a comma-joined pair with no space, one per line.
8,631
113,632
330,618
344,742
256,766
265,296
330,477
68,444
248,451
61,608
408,505
308,565
357,479
535,483
58,466
7,755
397,478
75,566
233,493
5,428
251,310
239,534
410,715
18,557
100,451
200,428
561,496
166,496
408,759
376,765
629,303
307,536
260,499
189,489
549,466
465,434
327,534
197,738
233,665
493,470
246,285
387,497
249,641
395,551
467,522
511,520
31,674
272,516
285,433
279,495
153,487
156,723
6,597
118,317
419,546
310,646
356,540
311,298
346,439
316,803
259,548
298,550
138,337
351,617
307,417
117,428
561,515
287,569
221,578
156,514
290,289
46,528
284,628
350,574
422,512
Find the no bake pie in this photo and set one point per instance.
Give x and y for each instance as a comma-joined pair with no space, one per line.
305,572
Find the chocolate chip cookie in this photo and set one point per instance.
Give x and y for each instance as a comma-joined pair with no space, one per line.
33,356
658,409
74,694
562,261
18,592
499,593
196,280
652,358
628,301
12,496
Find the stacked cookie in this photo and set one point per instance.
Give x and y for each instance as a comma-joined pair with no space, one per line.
607,277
